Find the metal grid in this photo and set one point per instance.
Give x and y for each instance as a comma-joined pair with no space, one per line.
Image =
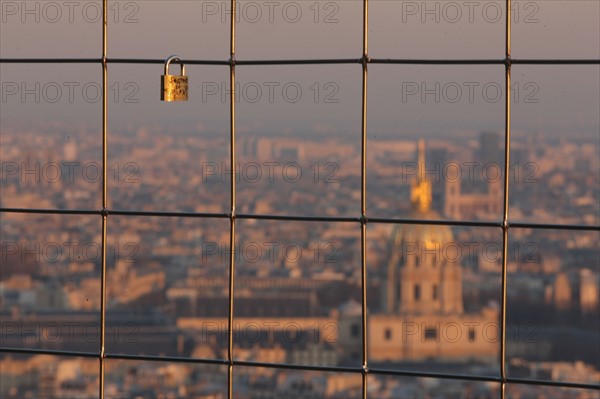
363,220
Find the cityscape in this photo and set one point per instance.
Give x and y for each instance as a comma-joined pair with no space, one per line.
347,199
433,290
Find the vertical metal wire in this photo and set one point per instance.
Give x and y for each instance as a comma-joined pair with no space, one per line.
507,68
232,160
363,199
102,354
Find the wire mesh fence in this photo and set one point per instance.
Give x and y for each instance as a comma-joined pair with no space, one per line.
233,216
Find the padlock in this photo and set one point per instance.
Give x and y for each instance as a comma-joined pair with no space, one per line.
173,87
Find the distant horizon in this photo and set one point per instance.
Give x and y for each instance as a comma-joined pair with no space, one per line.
584,136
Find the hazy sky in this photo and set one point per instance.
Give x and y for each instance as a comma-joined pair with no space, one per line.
435,99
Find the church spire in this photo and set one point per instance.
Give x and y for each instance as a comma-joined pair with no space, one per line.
420,195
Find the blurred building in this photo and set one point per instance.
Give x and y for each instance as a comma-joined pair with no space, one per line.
578,289
423,315
490,148
461,205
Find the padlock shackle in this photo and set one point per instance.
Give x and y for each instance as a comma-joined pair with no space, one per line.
171,59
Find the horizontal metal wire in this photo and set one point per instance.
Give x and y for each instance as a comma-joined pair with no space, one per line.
434,222
332,61
503,61
556,61
50,60
32,351
560,384
548,226
300,218
170,214
159,61
298,367
144,358
52,211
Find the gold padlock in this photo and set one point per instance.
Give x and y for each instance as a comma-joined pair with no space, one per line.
173,87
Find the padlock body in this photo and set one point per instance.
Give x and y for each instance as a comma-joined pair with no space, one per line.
174,88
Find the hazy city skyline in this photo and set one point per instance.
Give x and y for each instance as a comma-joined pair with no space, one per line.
551,99
167,277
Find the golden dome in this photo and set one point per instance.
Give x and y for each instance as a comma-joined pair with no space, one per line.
425,236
